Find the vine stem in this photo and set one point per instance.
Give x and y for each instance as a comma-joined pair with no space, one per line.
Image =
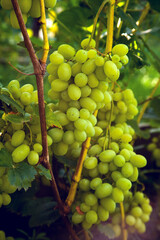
110,26
124,230
143,109
121,22
77,174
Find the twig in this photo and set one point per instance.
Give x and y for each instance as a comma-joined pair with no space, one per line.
77,175
148,99
110,26
147,103
124,231
99,34
28,74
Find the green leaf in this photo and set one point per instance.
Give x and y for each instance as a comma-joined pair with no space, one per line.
9,101
16,117
5,158
141,133
22,175
155,4
51,119
67,161
43,172
129,21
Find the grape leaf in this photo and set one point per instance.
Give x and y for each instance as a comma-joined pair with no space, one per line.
9,101
22,175
5,158
66,161
51,118
16,117
43,172
130,22
141,133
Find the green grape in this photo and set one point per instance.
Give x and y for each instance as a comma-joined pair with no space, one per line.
25,98
33,158
87,42
68,137
119,65
107,155
67,51
76,68
120,50
37,147
89,66
72,114
52,70
151,147
108,204
111,70
119,160
124,184
35,10
90,162
84,207
6,4
81,79
25,5
138,161
81,56
84,113
132,109
134,176
80,124
50,3
60,149
103,214
126,138
92,80
15,91
6,199
116,133
115,58
114,146
90,199
136,212
18,138
130,220
56,58
74,92
56,134
58,85
35,129
80,136
14,20
117,230
139,197
53,95
85,91
64,96
145,217
49,140
2,234
34,96
92,53
127,170
126,154
99,61
86,225
93,173
9,146
103,86
97,95
107,97
20,153
100,73
88,103
95,182
2,171
75,104
124,59
112,167
117,195
94,150
62,106
62,118
64,71
77,218
90,129
91,217
146,208
7,187
84,184
103,190
126,146
103,168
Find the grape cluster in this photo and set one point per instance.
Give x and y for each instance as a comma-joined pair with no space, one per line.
28,8
154,148
22,140
3,236
80,81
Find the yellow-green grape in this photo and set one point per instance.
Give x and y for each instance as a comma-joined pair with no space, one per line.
58,85
27,88
124,184
81,56
124,60
97,95
6,198
20,153
103,190
88,103
85,91
53,95
6,186
50,3
64,71
26,98
127,170
92,53
6,4
56,58
37,147
33,158
99,61
130,220
77,218
76,68
35,10
87,43
25,5
86,225
13,82
67,51
108,204
60,149
111,70
52,69
89,66
117,195
15,91
56,134
2,235
103,214
81,79
14,21
34,96
18,138
120,50
107,156
138,161
49,140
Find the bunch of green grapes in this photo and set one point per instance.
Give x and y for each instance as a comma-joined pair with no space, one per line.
23,140
154,148
28,8
3,236
80,82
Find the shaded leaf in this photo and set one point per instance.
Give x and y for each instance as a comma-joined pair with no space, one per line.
127,18
67,161
51,119
43,172
22,175
9,101
16,117
155,4
5,158
141,133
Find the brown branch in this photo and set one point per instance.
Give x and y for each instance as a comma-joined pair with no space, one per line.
27,74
